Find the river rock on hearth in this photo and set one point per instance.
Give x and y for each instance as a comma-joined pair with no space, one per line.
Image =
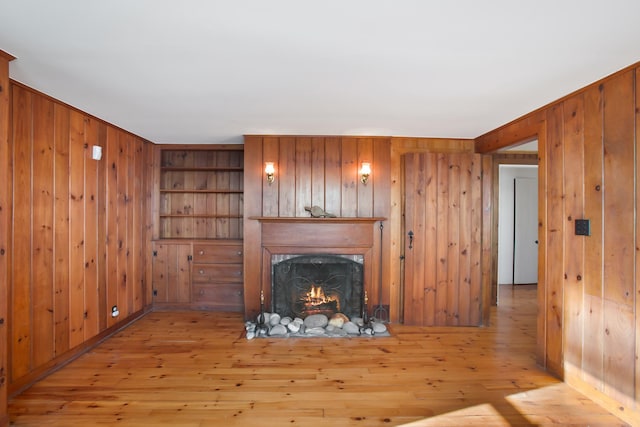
265,319
358,321
378,327
278,331
251,335
286,320
293,327
336,332
274,319
315,331
351,328
316,321
338,320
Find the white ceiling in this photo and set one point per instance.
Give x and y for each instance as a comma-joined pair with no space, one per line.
209,71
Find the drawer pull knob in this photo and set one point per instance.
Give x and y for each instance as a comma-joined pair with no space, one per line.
239,253
201,252
201,272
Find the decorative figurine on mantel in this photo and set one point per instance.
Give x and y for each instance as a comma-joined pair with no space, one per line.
318,212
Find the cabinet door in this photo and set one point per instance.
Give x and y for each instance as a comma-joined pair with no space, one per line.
171,273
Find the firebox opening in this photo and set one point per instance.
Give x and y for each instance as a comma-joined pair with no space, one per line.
303,285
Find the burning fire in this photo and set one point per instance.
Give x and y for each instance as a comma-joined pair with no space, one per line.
316,297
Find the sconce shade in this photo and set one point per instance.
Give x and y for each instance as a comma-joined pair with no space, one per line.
365,171
269,171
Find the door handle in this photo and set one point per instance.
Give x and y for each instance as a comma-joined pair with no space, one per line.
410,239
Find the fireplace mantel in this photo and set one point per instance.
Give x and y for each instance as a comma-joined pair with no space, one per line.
306,235
316,220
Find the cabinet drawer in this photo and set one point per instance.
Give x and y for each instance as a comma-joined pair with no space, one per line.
217,254
216,273
228,296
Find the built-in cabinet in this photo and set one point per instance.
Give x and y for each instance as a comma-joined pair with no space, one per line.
197,249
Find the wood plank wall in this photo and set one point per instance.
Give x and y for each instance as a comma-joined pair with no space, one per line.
322,170
5,227
399,147
318,170
589,321
81,232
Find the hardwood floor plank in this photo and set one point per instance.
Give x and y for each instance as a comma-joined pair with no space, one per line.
197,369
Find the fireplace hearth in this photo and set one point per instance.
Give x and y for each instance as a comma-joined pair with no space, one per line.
304,285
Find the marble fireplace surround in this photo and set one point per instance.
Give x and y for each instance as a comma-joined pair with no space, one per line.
305,235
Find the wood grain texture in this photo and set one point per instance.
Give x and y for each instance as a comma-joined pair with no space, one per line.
64,245
5,228
588,167
322,171
442,261
196,368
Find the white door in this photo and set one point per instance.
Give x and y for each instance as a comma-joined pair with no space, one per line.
525,266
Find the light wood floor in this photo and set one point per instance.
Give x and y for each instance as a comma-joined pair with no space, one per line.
196,369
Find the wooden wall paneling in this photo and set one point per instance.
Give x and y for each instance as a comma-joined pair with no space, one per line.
574,172
555,241
442,239
365,191
102,198
464,252
415,259
129,278
381,205
42,256
487,236
317,171
619,238
303,175
429,182
77,235
637,195
349,177
619,351
149,173
476,300
453,240
20,298
111,224
619,157
5,229
287,182
61,229
332,175
257,195
139,209
270,152
521,130
91,226
543,232
122,220
592,356
160,278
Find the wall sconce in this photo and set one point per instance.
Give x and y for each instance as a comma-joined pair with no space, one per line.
365,171
269,171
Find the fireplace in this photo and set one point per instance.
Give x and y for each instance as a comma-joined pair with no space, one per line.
349,243
303,285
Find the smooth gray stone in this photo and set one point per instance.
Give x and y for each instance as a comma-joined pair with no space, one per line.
316,321
278,331
351,328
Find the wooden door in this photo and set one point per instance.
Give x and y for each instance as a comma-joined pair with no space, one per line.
171,273
442,246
